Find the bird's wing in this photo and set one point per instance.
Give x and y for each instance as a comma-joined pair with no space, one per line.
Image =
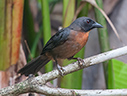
59,38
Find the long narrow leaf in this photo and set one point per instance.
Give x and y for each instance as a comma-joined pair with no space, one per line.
28,24
3,39
104,45
46,27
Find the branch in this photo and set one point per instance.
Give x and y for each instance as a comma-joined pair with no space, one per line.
36,84
72,92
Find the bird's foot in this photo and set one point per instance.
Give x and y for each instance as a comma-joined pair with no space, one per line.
80,62
60,69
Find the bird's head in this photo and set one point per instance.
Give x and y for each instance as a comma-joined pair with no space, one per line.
84,24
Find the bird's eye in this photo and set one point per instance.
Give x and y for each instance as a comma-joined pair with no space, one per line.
88,21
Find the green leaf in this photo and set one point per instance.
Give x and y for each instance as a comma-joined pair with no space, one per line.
46,28
120,74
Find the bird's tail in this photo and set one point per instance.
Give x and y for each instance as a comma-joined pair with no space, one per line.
34,66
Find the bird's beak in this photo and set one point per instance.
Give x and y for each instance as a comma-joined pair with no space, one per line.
97,25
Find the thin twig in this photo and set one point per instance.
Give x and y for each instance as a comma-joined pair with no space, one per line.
28,49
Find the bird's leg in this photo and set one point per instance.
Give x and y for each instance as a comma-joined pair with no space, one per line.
80,61
59,68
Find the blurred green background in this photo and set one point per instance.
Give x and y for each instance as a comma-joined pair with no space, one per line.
43,18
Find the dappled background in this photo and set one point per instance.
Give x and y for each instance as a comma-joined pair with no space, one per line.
43,18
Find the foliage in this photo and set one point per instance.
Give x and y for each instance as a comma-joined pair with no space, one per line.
104,44
120,74
46,28
10,35
10,32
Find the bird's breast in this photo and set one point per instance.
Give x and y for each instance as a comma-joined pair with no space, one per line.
75,42
79,38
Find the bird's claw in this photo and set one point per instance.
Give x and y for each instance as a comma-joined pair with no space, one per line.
80,62
61,70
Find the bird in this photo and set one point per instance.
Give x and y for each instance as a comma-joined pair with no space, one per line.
64,44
